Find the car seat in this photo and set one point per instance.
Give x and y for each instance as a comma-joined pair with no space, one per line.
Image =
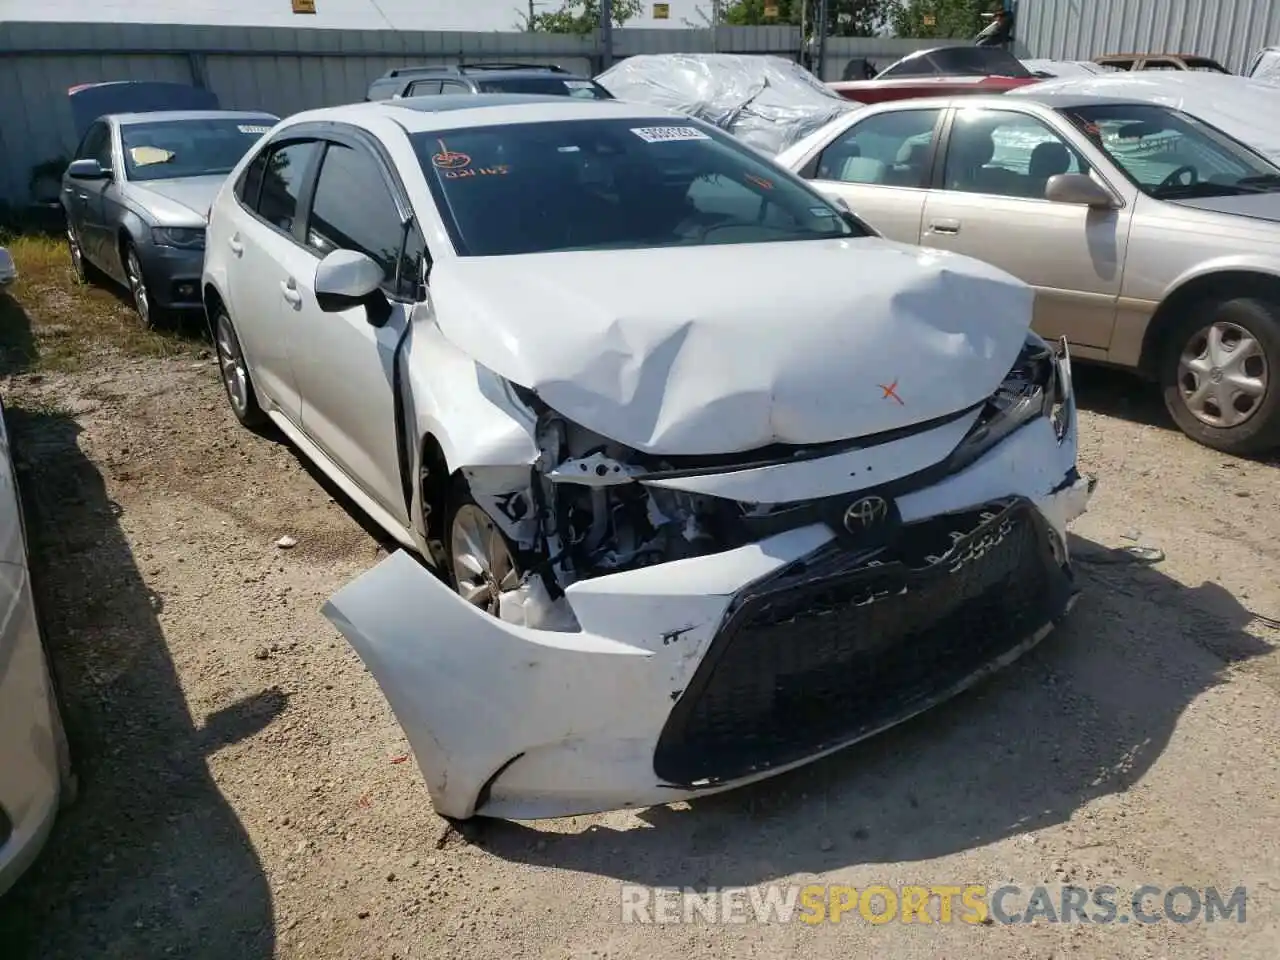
1048,159
971,150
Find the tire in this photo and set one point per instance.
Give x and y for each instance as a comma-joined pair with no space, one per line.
1220,375
481,588
234,373
84,272
150,314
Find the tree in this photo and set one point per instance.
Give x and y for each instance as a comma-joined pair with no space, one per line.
583,16
940,18
845,18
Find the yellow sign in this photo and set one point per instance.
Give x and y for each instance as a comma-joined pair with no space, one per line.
304,6
771,11
930,20
662,11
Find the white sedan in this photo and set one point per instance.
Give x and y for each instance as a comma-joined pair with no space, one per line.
715,481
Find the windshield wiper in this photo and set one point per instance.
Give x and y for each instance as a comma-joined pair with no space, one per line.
1204,189
1266,182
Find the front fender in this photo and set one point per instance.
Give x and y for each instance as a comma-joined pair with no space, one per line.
468,409
1266,264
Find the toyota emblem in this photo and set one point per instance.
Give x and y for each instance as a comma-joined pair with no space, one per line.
862,515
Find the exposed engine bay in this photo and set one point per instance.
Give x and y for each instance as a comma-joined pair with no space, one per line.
590,506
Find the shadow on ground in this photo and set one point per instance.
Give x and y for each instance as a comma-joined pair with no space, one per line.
150,860
18,350
1123,395
1084,715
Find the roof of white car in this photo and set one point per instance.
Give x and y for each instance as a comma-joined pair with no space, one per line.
425,114
169,116
1051,100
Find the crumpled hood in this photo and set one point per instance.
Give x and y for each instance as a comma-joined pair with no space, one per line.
183,201
729,348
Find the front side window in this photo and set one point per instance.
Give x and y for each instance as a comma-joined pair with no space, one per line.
170,149
282,180
1005,154
353,210
96,145
1171,155
892,149
613,183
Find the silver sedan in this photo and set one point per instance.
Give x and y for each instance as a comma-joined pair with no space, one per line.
1152,238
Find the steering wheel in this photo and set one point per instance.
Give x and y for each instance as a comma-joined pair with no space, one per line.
1174,178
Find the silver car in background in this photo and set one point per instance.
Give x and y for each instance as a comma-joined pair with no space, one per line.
35,769
137,194
1151,237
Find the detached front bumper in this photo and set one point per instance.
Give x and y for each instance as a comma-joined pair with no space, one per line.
702,674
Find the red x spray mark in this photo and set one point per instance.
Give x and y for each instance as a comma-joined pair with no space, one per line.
891,391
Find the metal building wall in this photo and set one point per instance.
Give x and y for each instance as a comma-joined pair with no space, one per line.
1230,31
280,69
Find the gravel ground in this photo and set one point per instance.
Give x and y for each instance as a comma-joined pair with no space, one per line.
245,791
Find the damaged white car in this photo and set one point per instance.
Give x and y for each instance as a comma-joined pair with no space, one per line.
715,481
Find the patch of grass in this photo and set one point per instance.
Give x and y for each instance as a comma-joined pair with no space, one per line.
49,322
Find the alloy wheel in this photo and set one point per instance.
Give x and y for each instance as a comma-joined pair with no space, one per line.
483,568
235,376
138,286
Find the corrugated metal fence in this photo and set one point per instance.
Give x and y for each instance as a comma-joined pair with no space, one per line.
285,70
1230,31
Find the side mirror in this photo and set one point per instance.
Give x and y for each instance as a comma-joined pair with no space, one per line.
87,170
1080,189
346,279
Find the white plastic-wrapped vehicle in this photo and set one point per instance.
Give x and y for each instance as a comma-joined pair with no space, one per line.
766,102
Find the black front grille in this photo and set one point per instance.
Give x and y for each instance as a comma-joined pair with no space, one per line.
834,648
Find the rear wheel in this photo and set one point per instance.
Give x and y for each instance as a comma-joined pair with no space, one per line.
235,373
81,269
1218,374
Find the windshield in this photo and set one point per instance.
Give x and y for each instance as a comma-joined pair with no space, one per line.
170,149
613,184
547,86
1171,155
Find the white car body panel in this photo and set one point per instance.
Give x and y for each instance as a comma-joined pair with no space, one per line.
555,706
31,764
8,270
665,351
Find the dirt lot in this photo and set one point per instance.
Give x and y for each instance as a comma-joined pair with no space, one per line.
245,791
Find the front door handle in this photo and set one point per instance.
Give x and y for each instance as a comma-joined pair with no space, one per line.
236,246
946,227
290,290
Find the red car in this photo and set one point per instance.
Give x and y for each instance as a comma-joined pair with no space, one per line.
941,72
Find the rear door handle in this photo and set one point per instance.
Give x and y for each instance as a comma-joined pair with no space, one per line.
236,246
946,227
290,290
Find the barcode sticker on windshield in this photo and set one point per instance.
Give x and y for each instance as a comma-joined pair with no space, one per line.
252,128
579,84
667,134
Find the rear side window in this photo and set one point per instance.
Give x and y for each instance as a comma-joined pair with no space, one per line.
282,182
250,186
423,88
353,210
891,149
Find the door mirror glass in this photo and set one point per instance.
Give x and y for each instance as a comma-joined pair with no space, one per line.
346,279
1078,188
87,170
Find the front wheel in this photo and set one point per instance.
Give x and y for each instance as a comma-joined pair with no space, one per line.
1218,374
142,302
235,373
481,563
